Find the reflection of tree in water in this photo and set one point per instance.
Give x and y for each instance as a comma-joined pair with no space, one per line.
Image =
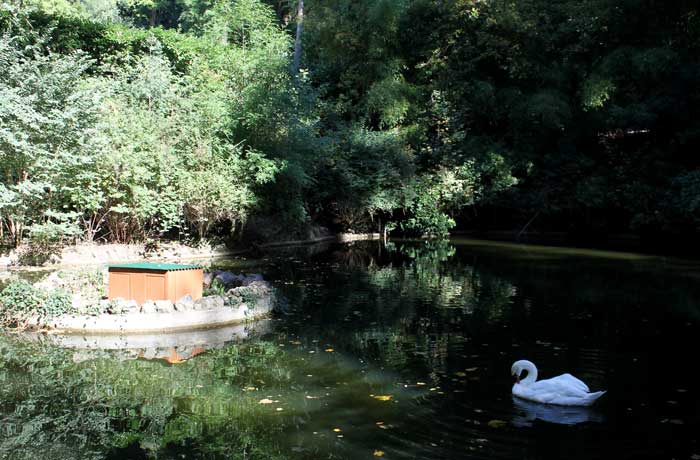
432,277
355,256
55,408
430,299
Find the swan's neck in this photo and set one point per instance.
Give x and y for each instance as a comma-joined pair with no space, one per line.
531,373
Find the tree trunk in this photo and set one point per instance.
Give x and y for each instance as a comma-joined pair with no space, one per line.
297,41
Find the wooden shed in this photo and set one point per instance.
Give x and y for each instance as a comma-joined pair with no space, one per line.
150,281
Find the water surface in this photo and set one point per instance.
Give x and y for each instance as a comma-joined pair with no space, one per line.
399,351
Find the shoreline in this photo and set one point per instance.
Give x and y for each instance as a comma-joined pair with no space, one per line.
93,254
151,323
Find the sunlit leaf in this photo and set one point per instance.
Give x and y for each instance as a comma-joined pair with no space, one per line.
497,423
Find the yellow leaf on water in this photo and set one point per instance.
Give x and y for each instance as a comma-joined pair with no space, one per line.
420,384
249,389
337,430
265,401
497,423
329,350
378,453
382,397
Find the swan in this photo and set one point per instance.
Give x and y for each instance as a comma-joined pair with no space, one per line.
564,390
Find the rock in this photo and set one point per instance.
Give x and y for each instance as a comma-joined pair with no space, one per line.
207,279
164,306
211,302
259,285
251,278
184,303
148,307
229,279
119,306
131,307
258,297
104,305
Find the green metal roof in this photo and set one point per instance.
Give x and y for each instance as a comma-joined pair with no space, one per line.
154,266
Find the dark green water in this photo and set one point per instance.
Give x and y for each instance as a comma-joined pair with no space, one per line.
405,350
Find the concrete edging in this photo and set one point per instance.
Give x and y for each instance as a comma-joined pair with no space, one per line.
145,323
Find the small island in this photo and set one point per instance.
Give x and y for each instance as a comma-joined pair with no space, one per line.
76,301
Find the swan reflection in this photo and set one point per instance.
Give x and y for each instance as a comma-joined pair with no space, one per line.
528,412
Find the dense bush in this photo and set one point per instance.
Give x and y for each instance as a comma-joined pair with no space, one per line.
22,302
130,147
19,301
129,120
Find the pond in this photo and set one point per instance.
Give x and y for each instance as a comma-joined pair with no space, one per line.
398,351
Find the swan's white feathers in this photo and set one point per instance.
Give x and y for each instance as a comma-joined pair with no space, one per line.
564,390
573,382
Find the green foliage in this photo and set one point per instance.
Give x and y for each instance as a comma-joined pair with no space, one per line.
18,302
77,409
57,303
155,149
22,301
126,120
88,282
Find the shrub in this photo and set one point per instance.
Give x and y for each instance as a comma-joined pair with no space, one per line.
56,303
21,302
18,302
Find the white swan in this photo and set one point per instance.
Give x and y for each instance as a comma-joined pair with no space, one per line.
565,390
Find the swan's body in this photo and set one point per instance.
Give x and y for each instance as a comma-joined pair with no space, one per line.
564,390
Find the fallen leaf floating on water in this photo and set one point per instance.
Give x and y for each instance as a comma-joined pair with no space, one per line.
382,397
329,350
265,401
249,389
497,423
378,453
420,384
337,430
472,369
460,374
